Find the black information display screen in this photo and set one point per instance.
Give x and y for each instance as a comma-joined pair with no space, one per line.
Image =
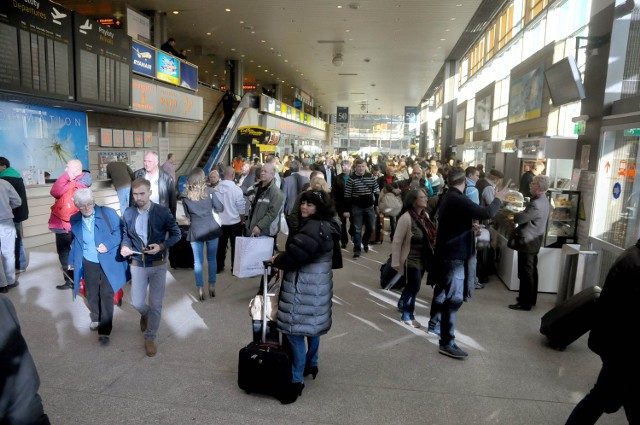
103,64
36,39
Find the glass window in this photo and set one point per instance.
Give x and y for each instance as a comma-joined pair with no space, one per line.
615,218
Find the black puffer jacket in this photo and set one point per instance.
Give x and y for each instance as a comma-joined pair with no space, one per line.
307,286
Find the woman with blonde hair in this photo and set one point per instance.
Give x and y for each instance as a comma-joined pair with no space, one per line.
199,202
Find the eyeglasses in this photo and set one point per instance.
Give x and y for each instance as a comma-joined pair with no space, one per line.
86,207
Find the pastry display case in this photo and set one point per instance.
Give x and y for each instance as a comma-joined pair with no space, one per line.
562,226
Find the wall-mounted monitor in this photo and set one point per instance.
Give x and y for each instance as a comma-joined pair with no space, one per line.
564,82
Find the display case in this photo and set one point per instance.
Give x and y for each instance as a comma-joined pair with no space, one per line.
562,226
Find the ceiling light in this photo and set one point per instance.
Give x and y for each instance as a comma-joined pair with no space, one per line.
227,10
208,33
339,7
176,12
337,59
443,39
242,22
263,41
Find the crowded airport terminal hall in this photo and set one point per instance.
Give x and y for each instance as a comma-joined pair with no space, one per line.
368,212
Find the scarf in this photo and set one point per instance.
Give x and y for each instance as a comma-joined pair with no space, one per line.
428,228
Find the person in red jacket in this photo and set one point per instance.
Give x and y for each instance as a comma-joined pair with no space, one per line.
62,210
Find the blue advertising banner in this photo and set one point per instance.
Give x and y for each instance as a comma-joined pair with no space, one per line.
168,68
410,114
188,76
143,59
37,139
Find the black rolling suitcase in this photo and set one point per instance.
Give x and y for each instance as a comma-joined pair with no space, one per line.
570,319
264,367
181,254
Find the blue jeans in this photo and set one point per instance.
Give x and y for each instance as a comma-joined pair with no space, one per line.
21,256
198,257
360,216
410,291
123,197
303,356
7,252
447,299
154,278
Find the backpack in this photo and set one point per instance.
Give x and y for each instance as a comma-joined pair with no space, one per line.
390,204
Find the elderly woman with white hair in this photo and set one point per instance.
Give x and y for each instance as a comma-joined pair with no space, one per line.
97,234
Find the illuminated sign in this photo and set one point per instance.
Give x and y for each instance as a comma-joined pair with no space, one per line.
168,68
112,22
143,59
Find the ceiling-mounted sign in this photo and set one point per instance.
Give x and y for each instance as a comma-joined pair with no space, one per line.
37,55
508,146
410,114
532,148
110,22
103,64
342,115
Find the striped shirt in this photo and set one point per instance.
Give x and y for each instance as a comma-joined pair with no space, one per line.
361,190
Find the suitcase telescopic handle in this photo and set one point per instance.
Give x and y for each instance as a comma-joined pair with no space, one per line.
265,281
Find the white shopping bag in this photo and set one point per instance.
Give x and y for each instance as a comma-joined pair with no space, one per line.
250,254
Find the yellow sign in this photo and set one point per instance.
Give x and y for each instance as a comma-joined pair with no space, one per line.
266,148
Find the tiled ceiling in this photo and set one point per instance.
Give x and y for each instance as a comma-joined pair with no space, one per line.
391,50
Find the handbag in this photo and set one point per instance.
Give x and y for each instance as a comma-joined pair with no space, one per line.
250,254
284,226
390,204
257,304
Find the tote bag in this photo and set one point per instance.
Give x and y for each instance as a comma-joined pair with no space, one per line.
250,254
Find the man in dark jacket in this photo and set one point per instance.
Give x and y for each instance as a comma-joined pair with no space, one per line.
532,224
163,188
338,197
148,232
454,242
20,213
617,318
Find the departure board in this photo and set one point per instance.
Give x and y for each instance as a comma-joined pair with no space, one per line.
103,64
36,39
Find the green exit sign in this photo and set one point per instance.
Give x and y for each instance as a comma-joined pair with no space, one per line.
632,132
578,128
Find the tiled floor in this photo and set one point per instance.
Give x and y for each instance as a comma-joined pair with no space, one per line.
373,369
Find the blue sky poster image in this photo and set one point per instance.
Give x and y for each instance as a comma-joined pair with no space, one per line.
38,138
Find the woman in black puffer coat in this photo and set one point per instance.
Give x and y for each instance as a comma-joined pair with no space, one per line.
304,310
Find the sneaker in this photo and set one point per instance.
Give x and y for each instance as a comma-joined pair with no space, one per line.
150,348
433,330
66,285
412,322
479,285
94,326
356,255
366,248
104,340
452,350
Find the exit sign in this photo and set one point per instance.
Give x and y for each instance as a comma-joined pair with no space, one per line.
632,132
578,128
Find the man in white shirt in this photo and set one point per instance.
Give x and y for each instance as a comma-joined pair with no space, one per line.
163,188
232,218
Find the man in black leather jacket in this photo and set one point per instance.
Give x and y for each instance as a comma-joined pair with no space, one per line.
163,188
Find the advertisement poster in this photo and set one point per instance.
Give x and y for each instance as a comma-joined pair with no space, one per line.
168,68
188,76
525,96
105,158
482,117
143,59
39,140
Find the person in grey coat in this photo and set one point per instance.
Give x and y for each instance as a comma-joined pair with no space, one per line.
304,310
532,224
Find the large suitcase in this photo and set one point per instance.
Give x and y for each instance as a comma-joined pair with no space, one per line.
264,367
389,278
377,233
570,319
181,254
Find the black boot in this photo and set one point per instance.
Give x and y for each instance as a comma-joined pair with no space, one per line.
310,370
292,392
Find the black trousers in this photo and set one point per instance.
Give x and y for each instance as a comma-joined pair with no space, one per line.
229,234
99,296
528,275
63,247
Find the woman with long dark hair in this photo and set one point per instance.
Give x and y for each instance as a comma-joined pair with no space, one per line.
304,310
412,245
199,202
